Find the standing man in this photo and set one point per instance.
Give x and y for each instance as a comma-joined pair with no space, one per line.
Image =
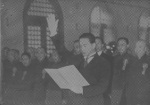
99,49
76,48
76,55
138,88
122,63
40,80
95,69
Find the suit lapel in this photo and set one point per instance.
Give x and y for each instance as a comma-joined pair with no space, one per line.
86,71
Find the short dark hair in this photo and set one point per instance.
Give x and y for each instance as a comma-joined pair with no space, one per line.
123,38
26,54
89,36
102,41
76,41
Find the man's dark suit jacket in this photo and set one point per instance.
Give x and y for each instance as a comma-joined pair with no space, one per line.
97,74
109,58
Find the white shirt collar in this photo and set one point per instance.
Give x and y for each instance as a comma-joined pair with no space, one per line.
99,53
90,57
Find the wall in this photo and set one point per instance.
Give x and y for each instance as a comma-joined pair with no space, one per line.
12,27
127,20
76,20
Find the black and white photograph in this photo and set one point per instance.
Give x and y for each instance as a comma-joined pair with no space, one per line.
75,52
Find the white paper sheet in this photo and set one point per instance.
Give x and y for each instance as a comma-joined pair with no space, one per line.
58,78
68,77
73,76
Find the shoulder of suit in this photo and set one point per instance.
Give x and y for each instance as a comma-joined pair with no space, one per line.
102,58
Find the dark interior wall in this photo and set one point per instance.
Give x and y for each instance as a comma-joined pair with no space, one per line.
12,25
76,20
126,19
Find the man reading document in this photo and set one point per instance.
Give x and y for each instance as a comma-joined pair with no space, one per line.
95,70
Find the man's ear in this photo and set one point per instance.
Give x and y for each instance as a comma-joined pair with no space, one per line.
128,46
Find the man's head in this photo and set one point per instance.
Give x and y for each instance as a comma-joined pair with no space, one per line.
76,47
16,54
99,44
41,54
31,51
140,48
11,56
26,59
87,43
5,51
122,45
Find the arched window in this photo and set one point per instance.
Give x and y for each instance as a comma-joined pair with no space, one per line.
36,32
144,26
101,23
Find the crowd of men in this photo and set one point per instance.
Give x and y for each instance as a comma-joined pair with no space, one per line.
122,78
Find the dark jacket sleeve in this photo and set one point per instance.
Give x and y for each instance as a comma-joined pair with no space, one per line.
60,47
102,76
56,41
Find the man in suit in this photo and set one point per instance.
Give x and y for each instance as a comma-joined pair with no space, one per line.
95,69
40,81
138,88
99,49
122,63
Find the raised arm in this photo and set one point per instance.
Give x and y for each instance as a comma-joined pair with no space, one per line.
57,41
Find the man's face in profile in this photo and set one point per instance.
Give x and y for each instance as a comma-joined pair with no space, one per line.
86,46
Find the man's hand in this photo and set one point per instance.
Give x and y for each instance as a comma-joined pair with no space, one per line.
14,71
43,74
52,24
145,66
76,90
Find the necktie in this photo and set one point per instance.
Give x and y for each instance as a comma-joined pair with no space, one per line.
88,58
85,62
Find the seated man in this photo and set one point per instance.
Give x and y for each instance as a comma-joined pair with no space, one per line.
16,55
30,50
10,67
20,89
5,51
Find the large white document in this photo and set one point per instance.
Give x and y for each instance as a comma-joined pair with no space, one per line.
68,77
